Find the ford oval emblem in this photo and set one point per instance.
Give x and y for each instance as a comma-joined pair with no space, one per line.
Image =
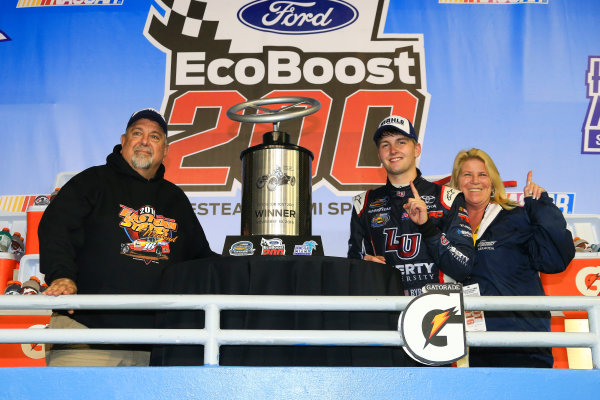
295,17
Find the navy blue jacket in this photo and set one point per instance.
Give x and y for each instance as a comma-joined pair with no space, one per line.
513,247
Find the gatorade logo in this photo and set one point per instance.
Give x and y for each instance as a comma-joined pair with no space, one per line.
433,325
34,350
587,281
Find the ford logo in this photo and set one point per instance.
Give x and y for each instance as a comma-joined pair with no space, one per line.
297,17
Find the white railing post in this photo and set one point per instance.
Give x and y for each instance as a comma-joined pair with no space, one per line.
594,325
212,325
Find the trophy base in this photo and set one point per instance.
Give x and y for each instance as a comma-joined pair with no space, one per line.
273,245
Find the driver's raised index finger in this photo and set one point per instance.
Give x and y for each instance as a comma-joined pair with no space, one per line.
414,190
529,175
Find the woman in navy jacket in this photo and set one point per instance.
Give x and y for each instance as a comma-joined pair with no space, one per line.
513,244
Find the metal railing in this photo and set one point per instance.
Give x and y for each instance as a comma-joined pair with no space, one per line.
212,336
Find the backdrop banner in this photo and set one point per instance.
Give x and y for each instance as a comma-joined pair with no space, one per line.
519,79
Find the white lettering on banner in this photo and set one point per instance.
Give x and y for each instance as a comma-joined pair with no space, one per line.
188,65
287,68
283,68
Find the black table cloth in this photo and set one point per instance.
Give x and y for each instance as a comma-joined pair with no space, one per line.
283,275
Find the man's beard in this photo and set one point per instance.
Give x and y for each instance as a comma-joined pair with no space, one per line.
142,161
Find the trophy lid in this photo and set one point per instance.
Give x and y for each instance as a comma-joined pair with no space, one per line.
276,140
276,137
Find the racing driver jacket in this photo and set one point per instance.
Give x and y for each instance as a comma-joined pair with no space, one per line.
430,253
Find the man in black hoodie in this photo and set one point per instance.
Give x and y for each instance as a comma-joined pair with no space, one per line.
111,230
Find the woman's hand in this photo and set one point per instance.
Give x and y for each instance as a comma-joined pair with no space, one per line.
531,189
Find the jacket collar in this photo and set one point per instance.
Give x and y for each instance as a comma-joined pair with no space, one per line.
490,213
402,191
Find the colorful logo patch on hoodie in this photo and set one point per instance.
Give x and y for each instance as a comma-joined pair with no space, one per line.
150,235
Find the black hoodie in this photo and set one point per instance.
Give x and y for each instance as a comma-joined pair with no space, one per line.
112,232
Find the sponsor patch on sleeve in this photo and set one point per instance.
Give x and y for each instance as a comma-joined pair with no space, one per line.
359,202
448,196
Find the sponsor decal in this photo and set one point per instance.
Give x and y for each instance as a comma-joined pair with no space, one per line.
465,233
305,249
379,210
272,247
215,61
150,235
486,245
463,217
404,216
400,194
450,193
41,200
444,240
380,220
4,37
433,325
416,272
359,202
379,202
34,350
587,281
294,17
591,124
242,248
46,3
428,199
405,246
458,256
435,214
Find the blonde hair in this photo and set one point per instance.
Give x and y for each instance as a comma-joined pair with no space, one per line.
498,191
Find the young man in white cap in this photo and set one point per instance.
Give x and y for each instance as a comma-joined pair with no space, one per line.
414,225
111,230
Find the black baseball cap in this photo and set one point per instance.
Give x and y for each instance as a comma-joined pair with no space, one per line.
151,114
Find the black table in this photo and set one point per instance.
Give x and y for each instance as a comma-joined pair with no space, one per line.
283,275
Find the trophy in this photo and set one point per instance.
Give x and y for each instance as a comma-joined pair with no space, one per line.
276,184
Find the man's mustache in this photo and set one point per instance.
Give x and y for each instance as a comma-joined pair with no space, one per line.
144,148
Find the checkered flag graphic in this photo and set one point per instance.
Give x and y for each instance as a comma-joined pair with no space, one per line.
186,14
